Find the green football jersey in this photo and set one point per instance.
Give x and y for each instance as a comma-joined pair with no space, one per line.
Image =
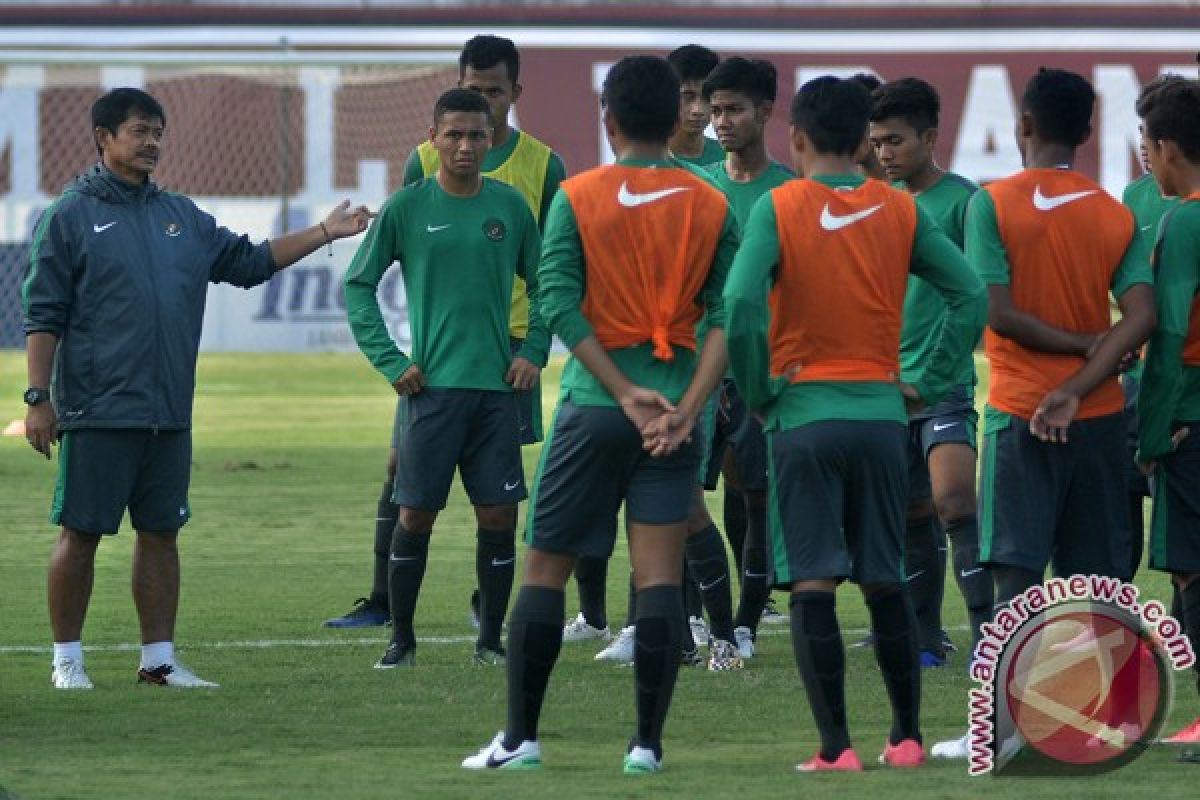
946,203
743,195
1170,390
458,257
1148,205
711,154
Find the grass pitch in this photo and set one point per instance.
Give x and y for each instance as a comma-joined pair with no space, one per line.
289,458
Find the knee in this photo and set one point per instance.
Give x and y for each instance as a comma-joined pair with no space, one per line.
955,504
877,591
496,518
416,521
77,546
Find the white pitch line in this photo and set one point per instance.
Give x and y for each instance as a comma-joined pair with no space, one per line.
269,644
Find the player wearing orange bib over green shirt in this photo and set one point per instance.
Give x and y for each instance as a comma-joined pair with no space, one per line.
634,253
814,304
1169,427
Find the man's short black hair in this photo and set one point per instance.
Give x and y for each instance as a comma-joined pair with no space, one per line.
693,62
460,100
754,78
1061,104
911,99
833,112
1175,117
1145,100
642,94
869,82
115,106
486,51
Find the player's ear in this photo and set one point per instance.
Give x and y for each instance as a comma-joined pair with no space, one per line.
765,109
102,137
432,132
516,92
863,151
1086,135
1025,126
929,137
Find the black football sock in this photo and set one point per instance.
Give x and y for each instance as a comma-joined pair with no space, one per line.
406,570
385,522
755,589
1137,532
709,565
534,640
974,581
1011,581
1177,604
631,613
1189,601
922,582
693,603
495,564
735,524
657,639
821,661
896,651
591,576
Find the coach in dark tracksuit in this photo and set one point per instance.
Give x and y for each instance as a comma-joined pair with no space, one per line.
114,303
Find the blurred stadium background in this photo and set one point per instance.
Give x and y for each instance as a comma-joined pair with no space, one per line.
278,110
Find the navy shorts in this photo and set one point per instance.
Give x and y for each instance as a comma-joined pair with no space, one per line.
952,421
1175,521
103,472
836,502
1065,505
473,430
593,462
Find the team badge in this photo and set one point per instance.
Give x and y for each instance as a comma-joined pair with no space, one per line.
494,229
173,229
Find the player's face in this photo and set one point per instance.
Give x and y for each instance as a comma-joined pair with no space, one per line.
693,111
495,85
737,121
902,152
132,152
462,139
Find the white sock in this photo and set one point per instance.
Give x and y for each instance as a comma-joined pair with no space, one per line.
156,654
68,651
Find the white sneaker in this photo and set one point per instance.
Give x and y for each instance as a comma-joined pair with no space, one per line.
745,641
699,631
723,656
68,674
578,630
174,675
952,748
493,756
620,649
641,761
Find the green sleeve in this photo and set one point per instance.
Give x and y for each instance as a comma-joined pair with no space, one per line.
375,255
1177,279
1135,264
536,348
985,249
413,171
936,259
746,309
560,275
556,173
714,287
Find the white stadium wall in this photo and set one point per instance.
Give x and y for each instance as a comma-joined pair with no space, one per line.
344,105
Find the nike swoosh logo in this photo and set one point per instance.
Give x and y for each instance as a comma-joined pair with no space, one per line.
832,222
103,228
916,574
705,587
494,762
508,487
436,228
631,200
496,562
1043,203
966,573
1148,227
937,427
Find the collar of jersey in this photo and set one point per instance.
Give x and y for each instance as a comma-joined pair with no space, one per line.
645,162
840,180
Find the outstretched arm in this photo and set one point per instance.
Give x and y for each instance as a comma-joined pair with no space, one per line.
342,221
